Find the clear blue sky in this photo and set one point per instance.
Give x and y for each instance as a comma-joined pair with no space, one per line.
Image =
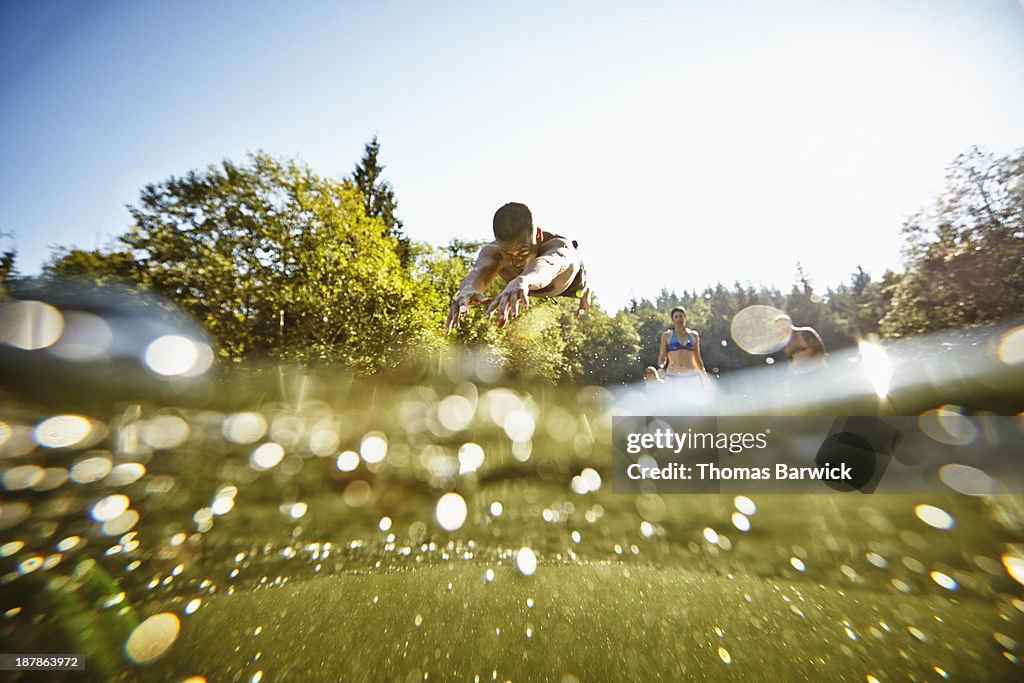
682,143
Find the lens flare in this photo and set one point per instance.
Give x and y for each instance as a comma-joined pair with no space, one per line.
947,425
451,511
173,355
244,428
935,517
110,507
877,367
62,431
374,447
519,425
266,456
165,431
30,325
152,638
1011,347
756,331
347,461
526,561
967,480
471,457
85,337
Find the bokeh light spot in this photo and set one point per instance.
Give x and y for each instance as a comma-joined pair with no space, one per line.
30,325
451,511
152,638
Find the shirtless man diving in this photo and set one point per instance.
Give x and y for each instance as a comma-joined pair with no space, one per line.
532,263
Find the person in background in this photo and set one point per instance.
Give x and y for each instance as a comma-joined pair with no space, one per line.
679,353
804,349
652,377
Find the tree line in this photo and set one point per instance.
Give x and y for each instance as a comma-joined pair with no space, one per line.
279,262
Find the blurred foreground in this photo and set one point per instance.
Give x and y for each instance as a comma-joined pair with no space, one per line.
446,524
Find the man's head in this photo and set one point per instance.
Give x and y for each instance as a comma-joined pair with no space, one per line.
515,234
514,223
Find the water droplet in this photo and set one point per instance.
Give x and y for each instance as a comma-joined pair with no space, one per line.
110,507
1005,641
943,580
934,517
917,633
347,461
374,447
152,638
526,561
266,456
877,560
244,428
471,457
62,431
451,511
30,325
1014,565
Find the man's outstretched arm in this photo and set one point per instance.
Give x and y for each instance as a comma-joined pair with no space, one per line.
540,273
471,291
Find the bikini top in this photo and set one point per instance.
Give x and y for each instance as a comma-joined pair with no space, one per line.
674,345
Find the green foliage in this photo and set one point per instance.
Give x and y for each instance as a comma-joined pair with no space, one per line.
95,266
274,261
609,348
965,255
379,197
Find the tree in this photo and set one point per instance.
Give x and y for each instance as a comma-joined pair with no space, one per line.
965,255
379,197
94,265
274,261
8,272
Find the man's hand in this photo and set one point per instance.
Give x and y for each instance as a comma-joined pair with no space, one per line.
508,302
460,306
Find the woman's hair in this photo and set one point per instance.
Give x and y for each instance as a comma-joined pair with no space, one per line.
677,308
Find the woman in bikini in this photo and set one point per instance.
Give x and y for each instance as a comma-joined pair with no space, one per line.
679,352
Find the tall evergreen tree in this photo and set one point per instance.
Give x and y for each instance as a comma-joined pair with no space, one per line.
379,196
7,271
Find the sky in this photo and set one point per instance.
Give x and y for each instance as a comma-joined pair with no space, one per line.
681,143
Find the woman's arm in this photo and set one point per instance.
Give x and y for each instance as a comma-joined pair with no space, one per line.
698,361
